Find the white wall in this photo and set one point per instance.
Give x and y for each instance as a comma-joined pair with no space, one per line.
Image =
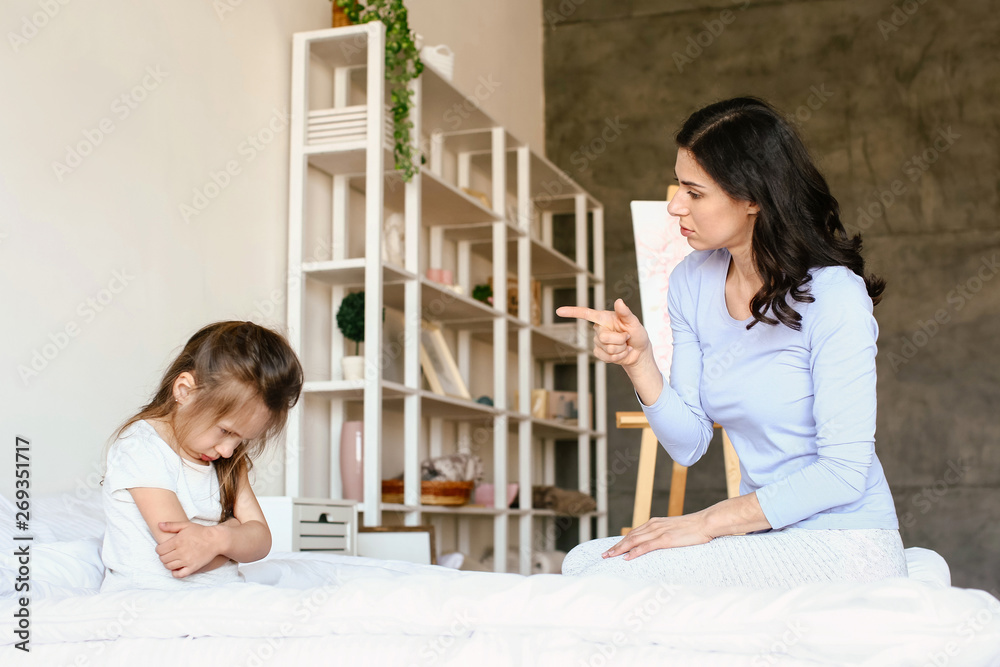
103,250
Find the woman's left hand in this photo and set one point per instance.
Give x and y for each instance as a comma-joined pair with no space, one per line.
662,533
193,547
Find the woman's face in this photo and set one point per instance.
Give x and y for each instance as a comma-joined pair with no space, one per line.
709,217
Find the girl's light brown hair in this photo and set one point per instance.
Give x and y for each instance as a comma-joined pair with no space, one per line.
233,364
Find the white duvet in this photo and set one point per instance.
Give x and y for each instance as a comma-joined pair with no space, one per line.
319,609
340,610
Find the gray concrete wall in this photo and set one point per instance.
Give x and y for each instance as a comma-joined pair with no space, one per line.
898,104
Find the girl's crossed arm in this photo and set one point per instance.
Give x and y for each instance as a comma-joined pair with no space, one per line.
186,548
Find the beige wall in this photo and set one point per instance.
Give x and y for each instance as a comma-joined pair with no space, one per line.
104,275
499,42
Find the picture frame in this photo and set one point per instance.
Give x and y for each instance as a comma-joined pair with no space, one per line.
413,544
438,364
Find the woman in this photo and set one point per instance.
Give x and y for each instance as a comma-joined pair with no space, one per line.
774,339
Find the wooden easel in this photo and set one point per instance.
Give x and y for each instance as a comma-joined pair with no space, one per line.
678,482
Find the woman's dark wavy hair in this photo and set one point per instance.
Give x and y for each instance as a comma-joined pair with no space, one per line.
755,155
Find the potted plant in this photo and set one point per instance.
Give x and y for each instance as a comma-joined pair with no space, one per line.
483,293
351,322
402,63
339,16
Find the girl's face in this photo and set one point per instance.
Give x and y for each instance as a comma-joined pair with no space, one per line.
709,217
220,437
223,437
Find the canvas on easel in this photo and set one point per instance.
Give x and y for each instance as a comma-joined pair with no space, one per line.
659,248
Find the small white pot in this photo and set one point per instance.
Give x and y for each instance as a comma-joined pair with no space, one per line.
353,368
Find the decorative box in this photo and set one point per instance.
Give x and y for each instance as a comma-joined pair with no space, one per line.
311,524
512,304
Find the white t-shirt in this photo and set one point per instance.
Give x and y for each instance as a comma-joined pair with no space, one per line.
141,458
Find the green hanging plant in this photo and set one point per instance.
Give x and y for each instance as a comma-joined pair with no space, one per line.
402,63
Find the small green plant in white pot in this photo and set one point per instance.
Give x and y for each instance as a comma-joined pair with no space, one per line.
351,322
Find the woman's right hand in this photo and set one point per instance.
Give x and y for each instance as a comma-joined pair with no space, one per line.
619,339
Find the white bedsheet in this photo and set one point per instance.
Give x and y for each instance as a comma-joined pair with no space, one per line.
318,609
404,614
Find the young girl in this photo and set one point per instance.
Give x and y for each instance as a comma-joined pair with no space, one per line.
180,510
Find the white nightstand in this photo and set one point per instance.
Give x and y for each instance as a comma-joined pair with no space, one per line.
311,524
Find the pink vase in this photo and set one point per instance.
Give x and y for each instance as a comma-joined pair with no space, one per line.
352,460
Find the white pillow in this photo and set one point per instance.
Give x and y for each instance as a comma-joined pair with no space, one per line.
67,532
55,518
73,567
927,566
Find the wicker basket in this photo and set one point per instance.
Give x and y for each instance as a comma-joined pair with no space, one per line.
431,493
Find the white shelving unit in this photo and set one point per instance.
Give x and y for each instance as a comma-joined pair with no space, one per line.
342,185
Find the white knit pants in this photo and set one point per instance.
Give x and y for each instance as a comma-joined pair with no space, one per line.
775,559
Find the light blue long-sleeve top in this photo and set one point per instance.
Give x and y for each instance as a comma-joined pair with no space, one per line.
799,406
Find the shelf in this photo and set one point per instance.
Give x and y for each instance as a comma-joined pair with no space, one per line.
475,509
351,272
431,404
446,109
339,47
476,141
445,407
585,515
353,389
546,179
453,408
443,509
551,189
549,266
482,233
440,304
545,345
483,330
549,428
464,218
344,159
449,407
562,204
335,61
549,347
441,203
547,185
553,428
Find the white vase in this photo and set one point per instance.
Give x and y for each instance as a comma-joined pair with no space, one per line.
353,368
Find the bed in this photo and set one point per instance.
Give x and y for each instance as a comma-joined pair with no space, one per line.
306,609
